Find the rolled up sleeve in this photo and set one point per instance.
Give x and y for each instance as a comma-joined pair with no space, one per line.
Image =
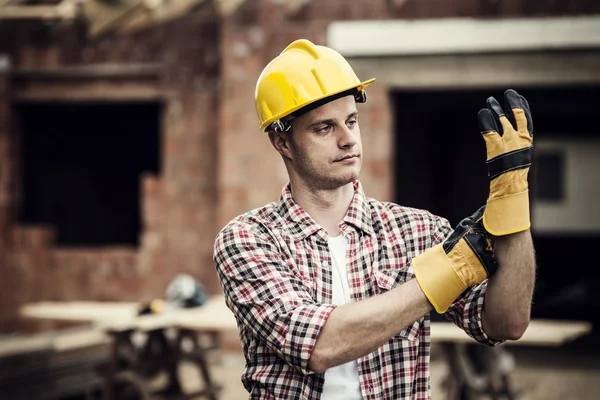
267,297
467,311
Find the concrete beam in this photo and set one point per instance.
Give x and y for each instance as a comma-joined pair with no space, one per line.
462,35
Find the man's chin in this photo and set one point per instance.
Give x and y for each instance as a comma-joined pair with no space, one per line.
352,175
331,181
340,181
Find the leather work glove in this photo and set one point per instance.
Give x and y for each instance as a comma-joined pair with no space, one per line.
509,142
463,259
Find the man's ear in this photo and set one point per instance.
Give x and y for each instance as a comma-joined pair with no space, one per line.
281,141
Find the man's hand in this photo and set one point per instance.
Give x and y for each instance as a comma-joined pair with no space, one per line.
463,259
509,142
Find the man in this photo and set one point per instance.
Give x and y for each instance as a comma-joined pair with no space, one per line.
332,290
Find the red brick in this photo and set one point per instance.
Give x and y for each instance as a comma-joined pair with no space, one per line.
32,238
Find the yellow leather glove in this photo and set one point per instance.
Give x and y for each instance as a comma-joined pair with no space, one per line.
509,142
463,259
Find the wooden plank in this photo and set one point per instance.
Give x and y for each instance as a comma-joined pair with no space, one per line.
81,311
11,347
88,92
106,82
53,341
66,11
136,71
539,333
79,340
214,316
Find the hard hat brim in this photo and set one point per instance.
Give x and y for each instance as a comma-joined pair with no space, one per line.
360,87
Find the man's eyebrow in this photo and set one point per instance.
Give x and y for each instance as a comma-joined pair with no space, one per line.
331,121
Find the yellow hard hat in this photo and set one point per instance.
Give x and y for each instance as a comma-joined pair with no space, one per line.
303,74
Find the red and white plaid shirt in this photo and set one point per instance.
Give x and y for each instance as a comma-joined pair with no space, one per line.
275,267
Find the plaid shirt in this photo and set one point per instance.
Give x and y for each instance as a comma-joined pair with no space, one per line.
275,268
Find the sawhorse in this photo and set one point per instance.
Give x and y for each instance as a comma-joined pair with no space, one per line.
476,369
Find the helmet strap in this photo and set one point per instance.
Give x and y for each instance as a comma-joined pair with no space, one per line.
280,126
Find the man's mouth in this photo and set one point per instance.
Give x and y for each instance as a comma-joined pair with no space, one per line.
348,157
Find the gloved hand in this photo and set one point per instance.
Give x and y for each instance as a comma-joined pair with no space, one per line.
509,142
463,259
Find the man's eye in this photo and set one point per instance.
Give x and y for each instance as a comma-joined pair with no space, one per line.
325,129
352,122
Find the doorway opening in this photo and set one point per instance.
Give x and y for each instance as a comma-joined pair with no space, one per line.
81,165
440,166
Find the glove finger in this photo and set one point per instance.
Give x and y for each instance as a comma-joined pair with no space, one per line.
487,121
518,113
512,100
505,125
498,113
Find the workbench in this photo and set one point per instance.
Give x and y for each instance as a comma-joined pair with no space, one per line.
165,334
143,346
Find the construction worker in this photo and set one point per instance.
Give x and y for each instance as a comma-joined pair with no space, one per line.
333,290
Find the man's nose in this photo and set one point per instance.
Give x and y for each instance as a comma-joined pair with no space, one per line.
347,137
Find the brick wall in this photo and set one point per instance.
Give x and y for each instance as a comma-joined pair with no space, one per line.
215,162
177,206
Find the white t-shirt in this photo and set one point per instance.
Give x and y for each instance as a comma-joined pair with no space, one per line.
341,382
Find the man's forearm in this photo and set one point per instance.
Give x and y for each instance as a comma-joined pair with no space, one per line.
356,329
509,294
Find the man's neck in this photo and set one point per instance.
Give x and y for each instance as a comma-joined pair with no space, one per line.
327,207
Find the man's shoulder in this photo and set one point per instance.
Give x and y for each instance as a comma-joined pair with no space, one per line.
254,221
392,213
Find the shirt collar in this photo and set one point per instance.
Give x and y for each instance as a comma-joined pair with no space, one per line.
302,225
359,212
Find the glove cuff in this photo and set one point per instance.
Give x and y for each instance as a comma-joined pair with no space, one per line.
507,215
444,276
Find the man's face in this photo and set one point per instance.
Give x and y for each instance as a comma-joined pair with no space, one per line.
325,146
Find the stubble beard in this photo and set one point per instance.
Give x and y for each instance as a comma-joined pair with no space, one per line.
320,177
